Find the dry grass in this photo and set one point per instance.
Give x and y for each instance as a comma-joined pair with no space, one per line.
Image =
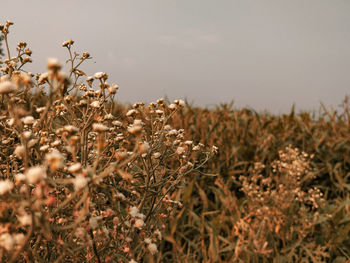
83,179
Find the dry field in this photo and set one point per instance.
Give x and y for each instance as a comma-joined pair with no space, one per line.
83,179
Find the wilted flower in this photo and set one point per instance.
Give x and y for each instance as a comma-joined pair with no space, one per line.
139,223
28,120
134,211
80,182
43,77
95,104
131,112
152,248
71,128
156,155
188,142
144,147
180,150
133,129
44,148
7,241
100,75
19,151
196,148
113,88
108,116
20,177
25,219
7,87
99,127
54,159
172,106
75,168
53,64
5,186
35,174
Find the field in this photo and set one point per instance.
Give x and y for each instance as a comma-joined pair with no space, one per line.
84,179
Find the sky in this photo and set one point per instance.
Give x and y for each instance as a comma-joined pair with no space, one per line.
267,55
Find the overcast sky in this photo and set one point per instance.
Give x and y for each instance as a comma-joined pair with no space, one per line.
263,54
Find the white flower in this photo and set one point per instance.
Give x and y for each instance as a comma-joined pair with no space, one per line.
20,177
19,239
152,248
181,103
27,134
28,120
55,159
134,211
74,168
117,123
40,110
159,234
144,147
44,148
148,240
80,182
56,143
99,75
134,129
139,223
108,116
32,142
53,64
188,142
71,128
131,112
196,148
10,122
19,151
25,219
172,106
180,150
7,241
113,88
157,155
7,87
43,77
172,132
95,104
5,186
35,174
99,127
159,112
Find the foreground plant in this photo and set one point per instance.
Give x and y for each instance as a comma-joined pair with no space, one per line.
78,182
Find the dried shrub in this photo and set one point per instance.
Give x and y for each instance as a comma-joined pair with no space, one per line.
77,182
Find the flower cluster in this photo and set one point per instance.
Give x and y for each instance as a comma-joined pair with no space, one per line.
78,174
